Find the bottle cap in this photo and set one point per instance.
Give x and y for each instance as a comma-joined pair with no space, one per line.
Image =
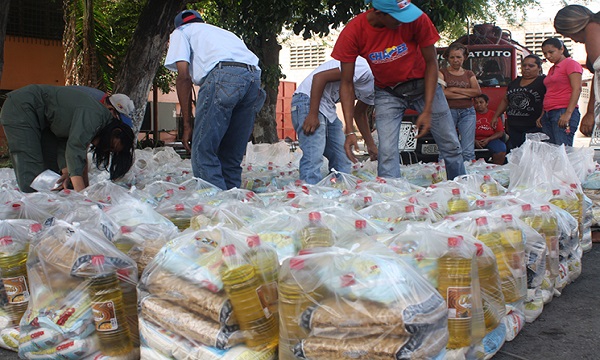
228,250
360,224
526,207
253,241
481,221
314,216
409,209
555,192
197,209
290,195
480,203
507,217
545,208
487,178
348,280
479,247
125,229
6,240
97,260
456,191
368,199
179,207
296,263
433,205
454,241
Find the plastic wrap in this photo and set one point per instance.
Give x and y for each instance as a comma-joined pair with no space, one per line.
338,303
208,288
83,297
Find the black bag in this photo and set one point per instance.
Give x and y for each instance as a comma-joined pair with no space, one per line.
409,89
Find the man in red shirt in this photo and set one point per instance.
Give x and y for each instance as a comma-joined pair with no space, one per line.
397,40
488,136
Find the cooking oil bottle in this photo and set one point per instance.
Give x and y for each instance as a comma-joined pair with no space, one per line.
457,204
315,234
297,292
129,291
514,250
492,297
454,284
13,268
493,240
241,284
489,187
181,218
109,315
545,223
266,264
124,242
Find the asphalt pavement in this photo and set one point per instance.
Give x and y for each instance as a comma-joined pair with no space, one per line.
568,328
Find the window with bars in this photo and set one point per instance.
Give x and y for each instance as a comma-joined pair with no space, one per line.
35,19
534,40
306,56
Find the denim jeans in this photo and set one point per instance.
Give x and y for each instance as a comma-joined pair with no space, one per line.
465,121
559,135
389,110
328,140
228,101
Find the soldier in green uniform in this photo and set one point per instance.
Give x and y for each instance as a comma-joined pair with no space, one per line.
43,119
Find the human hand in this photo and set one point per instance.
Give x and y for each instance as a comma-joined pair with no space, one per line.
63,181
423,124
311,124
186,139
494,122
538,122
350,144
373,152
563,121
587,124
478,144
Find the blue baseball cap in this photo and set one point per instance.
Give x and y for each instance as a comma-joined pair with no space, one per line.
402,10
187,16
126,120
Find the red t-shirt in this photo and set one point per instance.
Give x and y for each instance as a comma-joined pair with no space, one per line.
558,86
393,55
484,128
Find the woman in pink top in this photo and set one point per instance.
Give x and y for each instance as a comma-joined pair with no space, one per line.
563,87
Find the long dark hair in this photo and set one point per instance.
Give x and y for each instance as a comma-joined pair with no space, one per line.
557,43
117,163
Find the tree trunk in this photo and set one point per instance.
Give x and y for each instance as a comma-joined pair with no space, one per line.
90,55
69,42
4,7
145,52
265,126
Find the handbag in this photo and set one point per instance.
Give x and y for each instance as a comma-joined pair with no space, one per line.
409,89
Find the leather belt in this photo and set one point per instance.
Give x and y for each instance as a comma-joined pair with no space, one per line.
236,64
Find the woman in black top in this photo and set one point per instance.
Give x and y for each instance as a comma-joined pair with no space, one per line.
523,102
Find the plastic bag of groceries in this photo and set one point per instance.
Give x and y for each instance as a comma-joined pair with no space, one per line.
21,209
278,154
339,180
83,298
587,223
281,231
205,215
339,302
582,161
430,251
484,184
526,172
423,174
212,295
106,192
365,170
393,216
15,237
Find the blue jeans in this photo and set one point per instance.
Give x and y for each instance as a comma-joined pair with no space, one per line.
228,100
389,110
465,121
557,134
328,140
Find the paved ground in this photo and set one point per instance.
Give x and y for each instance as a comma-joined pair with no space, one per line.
568,328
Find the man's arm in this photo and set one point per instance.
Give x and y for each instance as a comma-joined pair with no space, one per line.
362,122
431,75
183,84
319,81
347,100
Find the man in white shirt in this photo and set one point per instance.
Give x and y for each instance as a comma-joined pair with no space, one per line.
229,97
320,131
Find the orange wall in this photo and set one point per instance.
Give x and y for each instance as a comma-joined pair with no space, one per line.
31,61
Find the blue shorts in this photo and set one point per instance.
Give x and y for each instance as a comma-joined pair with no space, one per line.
496,146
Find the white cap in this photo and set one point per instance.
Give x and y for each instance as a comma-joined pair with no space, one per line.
122,104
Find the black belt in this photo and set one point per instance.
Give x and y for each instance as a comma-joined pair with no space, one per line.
236,64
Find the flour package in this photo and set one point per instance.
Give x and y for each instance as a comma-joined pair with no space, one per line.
359,298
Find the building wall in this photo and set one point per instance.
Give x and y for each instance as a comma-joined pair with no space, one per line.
31,61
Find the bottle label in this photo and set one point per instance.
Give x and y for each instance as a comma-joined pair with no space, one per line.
267,295
459,302
104,316
16,289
